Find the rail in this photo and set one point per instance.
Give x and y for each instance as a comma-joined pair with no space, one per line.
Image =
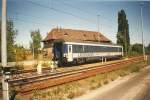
48,80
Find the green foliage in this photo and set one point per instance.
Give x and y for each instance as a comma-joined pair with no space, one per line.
137,48
105,81
148,49
19,53
135,69
123,31
148,60
11,35
36,42
45,64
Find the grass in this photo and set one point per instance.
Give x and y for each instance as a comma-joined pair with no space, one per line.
73,94
45,64
74,89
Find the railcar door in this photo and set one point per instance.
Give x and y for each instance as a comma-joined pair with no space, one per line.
58,51
70,55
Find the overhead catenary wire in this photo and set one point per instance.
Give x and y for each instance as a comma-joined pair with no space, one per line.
72,6
67,13
54,9
61,11
84,11
27,21
25,15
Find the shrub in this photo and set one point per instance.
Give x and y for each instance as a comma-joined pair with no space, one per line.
75,94
105,82
71,95
45,64
135,69
19,66
123,74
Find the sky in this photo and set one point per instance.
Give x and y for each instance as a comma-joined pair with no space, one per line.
29,15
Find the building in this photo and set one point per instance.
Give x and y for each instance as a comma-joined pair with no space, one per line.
71,35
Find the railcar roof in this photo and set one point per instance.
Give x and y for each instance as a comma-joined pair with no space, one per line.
89,42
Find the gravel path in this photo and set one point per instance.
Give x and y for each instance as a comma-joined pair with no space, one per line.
132,87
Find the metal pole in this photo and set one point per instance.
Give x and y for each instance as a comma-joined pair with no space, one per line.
33,46
98,27
4,51
33,50
142,30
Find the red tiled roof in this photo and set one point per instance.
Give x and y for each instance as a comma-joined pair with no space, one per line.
70,34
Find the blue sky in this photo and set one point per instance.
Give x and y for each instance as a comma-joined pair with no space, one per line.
30,15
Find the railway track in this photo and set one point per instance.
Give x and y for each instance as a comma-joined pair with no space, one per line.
33,72
55,74
21,73
39,82
17,74
47,71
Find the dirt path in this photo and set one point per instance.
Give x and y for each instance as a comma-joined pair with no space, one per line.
132,87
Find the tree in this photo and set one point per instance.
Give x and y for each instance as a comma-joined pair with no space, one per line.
36,41
11,35
148,49
19,53
123,31
137,48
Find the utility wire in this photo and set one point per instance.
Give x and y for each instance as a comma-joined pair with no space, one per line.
61,11
54,9
107,19
72,6
27,21
64,12
25,15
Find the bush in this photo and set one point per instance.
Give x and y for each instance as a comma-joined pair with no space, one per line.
45,64
95,86
105,82
123,74
71,95
19,66
135,69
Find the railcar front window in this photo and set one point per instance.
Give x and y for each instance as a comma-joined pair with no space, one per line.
65,48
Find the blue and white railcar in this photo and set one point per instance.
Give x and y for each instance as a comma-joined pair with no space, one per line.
65,52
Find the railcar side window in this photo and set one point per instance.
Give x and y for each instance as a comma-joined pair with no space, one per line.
91,48
69,48
120,49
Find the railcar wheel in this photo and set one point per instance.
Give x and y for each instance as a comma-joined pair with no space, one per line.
75,62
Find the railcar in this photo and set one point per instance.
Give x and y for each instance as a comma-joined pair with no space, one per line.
81,52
